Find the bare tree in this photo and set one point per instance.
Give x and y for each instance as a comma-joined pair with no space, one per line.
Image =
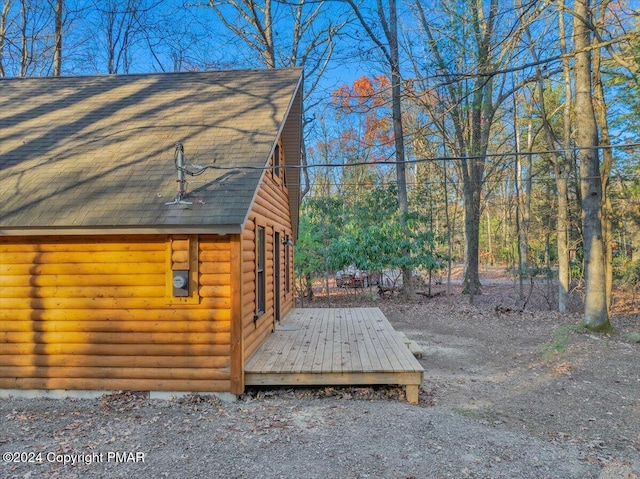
176,43
256,27
119,21
25,54
560,157
387,45
523,187
563,167
4,18
596,315
474,96
116,32
309,42
311,33
600,106
27,40
31,37
57,47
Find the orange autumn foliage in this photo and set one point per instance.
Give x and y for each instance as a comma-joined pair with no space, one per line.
368,96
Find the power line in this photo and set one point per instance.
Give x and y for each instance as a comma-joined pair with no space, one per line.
200,169
341,185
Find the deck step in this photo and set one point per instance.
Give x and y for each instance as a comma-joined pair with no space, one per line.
413,346
415,349
404,338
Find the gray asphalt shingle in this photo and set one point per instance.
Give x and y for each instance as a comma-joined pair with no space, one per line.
98,151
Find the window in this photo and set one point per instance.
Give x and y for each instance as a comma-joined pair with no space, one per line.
260,277
287,265
276,160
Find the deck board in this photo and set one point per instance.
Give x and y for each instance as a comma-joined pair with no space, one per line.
374,337
354,344
304,361
334,346
319,353
388,345
367,354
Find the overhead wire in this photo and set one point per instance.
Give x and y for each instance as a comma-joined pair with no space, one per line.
338,185
202,169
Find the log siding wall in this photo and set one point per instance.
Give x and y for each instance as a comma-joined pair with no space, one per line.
271,211
96,313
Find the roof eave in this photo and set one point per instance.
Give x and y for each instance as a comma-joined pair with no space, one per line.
293,148
120,230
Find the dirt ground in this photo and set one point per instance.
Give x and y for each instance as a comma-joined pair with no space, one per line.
507,393
532,370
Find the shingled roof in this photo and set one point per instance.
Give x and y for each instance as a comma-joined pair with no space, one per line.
89,154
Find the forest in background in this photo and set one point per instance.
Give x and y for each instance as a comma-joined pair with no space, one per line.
436,132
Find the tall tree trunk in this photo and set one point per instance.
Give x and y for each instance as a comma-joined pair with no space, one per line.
267,34
396,97
523,198
111,47
563,170
471,281
57,48
24,45
519,232
607,208
482,111
562,233
607,163
558,160
489,239
450,226
398,134
525,177
6,5
388,47
635,242
596,314
472,103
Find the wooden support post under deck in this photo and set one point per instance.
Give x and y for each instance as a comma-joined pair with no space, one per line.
412,391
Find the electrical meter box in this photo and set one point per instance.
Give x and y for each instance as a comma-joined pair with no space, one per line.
181,283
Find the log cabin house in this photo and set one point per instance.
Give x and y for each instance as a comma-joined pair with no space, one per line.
146,227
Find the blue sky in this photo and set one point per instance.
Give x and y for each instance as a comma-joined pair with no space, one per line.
171,35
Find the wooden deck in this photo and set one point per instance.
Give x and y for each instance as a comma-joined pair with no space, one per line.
335,346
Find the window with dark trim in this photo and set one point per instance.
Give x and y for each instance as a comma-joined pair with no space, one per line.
287,265
276,160
260,277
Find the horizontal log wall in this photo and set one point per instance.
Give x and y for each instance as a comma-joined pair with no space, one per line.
270,210
96,313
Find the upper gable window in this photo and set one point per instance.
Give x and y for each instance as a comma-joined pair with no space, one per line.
276,160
